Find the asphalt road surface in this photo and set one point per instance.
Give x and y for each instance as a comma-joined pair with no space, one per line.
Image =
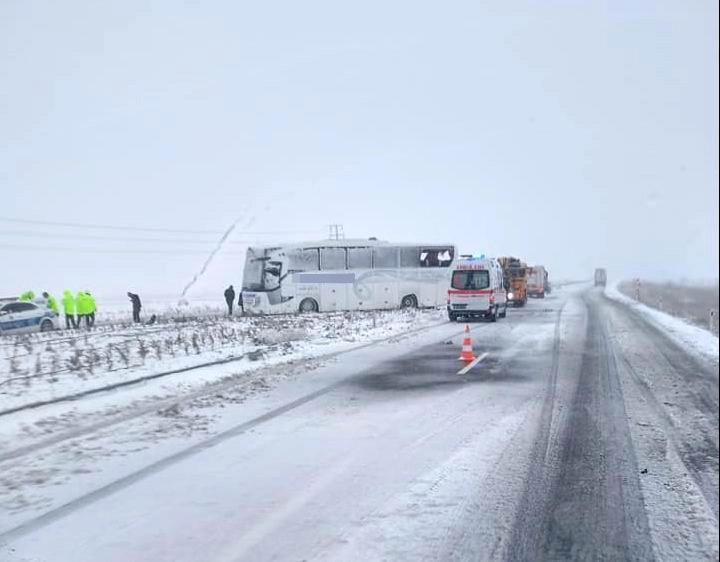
583,434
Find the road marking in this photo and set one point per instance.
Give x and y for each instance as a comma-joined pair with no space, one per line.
471,365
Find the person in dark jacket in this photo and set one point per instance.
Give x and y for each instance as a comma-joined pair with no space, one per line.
230,298
136,306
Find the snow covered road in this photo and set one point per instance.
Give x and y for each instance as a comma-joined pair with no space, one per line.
585,433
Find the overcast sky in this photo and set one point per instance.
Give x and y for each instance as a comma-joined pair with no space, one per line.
569,133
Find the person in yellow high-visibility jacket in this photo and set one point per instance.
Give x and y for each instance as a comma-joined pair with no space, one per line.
51,302
68,302
83,308
27,296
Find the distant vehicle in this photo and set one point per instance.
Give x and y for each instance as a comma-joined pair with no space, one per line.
23,317
477,290
600,277
515,273
334,275
537,281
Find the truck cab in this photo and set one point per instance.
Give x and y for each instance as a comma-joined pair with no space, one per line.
600,277
537,281
515,273
477,290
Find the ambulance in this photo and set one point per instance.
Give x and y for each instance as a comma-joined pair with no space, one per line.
477,290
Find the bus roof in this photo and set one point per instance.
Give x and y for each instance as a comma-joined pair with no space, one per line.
351,243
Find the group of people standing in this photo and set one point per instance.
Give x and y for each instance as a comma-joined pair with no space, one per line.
82,306
76,308
230,300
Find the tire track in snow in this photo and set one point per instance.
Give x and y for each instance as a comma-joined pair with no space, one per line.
696,446
525,533
582,498
596,509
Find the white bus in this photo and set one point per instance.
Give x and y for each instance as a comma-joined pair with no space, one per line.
345,275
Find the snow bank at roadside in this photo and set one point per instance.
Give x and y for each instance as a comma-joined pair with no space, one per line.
691,337
42,367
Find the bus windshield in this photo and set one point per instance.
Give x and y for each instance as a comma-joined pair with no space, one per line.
470,279
253,272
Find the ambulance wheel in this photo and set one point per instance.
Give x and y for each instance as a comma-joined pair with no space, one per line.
308,305
452,317
541,295
408,301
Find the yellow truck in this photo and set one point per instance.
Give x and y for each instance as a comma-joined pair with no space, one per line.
515,274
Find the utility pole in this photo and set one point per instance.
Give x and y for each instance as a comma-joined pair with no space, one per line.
336,232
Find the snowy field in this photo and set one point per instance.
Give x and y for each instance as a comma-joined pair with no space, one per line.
58,388
49,366
692,302
691,337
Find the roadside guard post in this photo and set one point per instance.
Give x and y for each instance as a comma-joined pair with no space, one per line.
467,352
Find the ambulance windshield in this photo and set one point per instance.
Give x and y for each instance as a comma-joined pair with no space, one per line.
470,279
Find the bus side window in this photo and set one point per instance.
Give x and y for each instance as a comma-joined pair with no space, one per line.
359,258
410,256
436,257
332,258
445,257
385,257
303,260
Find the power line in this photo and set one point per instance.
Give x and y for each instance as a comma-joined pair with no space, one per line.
10,236
55,249
336,232
13,233
108,227
145,229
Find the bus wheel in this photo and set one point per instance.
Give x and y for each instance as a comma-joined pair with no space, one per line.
308,305
408,301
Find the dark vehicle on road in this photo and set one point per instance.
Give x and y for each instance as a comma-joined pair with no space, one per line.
600,277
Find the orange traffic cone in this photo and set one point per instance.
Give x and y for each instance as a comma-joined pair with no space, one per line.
467,352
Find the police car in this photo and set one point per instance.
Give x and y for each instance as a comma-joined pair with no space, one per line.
20,317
